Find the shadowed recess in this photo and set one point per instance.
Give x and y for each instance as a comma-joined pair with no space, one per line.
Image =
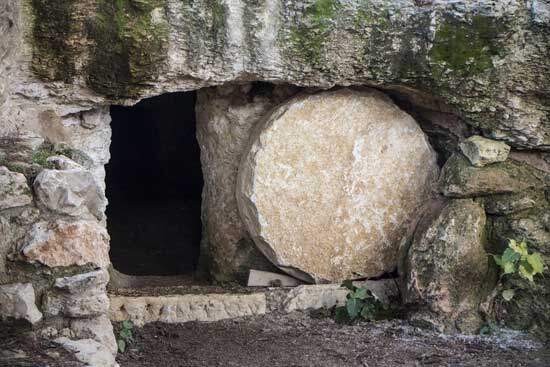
154,184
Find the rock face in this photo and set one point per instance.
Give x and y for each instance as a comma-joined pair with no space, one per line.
73,192
332,182
14,191
482,151
446,268
17,302
62,243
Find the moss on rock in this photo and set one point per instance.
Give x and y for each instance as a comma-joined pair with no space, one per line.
53,53
130,46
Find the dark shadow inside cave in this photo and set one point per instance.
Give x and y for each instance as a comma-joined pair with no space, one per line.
154,183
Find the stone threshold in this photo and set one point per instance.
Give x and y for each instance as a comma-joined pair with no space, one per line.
186,303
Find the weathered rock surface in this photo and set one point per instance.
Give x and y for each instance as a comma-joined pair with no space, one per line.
62,243
482,151
73,192
466,52
17,302
332,182
445,273
188,307
460,179
224,123
505,204
82,295
89,351
99,329
14,191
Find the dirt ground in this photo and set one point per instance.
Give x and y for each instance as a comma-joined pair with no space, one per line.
300,340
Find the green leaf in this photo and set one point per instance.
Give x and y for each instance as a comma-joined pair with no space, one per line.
121,345
369,311
353,306
508,294
361,293
510,256
509,268
520,249
348,284
526,271
127,324
535,260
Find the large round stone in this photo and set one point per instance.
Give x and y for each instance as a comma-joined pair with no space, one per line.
333,182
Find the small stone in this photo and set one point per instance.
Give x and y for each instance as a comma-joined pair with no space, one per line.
482,151
446,268
315,297
17,301
82,295
63,243
60,162
461,180
73,192
99,329
89,351
332,182
14,191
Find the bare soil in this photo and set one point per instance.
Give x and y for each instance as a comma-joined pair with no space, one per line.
301,340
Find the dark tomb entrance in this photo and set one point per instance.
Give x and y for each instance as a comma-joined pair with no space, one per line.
154,184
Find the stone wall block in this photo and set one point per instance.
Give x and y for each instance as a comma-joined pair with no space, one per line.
61,243
82,295
14,191
17,301
482,151
73,192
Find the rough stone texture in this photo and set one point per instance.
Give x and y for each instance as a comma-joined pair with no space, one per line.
62,243
183,308
63,163
98,329
73,192
17,302
505,204
482,151
460,179
82,295
445,273
14,190
488,59
89,351
332,182
225,117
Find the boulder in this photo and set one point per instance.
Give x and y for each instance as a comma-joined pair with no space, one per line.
14,191
73,192
82,295
17,302
62,243
482,151
460,179
332,182
445,270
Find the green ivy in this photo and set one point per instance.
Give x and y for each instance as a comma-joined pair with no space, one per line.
361,303
125,335
517,260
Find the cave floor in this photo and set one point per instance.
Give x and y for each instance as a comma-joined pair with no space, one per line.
299,339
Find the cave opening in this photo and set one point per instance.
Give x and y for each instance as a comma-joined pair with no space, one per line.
154,185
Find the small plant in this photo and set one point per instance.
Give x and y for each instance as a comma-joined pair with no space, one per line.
516,260
360,302
125,335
